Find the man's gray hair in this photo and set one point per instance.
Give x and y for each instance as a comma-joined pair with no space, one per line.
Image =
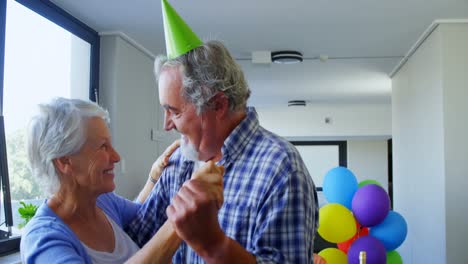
58,130
207,70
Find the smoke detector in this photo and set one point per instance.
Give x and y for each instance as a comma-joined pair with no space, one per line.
297,103
286,57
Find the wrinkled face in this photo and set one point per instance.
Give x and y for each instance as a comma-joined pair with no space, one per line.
181,115
93,165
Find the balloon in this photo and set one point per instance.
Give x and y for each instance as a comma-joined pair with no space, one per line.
339,186
344,246
392,231
375,251
336,223
394,258
361,231
334,256
369,181
370,205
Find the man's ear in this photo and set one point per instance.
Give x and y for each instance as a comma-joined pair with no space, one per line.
63,165
221,105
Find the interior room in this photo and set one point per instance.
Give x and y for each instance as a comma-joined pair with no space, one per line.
385,79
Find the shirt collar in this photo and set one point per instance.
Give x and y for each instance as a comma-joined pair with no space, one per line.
238,139
240,136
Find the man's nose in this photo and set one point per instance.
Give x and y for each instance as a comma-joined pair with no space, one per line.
168,124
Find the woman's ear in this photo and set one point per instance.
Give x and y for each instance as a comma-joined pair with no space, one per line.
62,165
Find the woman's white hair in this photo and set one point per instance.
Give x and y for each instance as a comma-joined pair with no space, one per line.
58,130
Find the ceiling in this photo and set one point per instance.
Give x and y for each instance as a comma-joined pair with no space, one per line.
364,39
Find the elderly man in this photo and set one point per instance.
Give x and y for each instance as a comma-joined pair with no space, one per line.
270,208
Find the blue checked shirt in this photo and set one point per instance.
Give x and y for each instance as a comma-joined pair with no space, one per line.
270,204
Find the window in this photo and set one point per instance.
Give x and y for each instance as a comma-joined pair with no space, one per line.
47,53
319,157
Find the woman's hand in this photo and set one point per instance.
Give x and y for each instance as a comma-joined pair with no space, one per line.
212,174
193,212
162,161
156,171
319,260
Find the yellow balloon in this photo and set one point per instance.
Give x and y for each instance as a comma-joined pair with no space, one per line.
334,256
336,223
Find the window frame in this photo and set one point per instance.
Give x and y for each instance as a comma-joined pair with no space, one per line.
342,150
56,15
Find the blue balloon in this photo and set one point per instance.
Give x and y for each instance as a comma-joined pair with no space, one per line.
391,231
339,186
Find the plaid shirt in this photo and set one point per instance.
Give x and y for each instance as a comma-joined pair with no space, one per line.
270,204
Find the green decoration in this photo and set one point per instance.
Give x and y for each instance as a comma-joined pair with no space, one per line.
180,39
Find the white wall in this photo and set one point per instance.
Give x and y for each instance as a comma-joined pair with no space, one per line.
455,94
418,171
127,90
429,144
368,159
347,120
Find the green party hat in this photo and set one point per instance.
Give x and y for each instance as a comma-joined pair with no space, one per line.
180,39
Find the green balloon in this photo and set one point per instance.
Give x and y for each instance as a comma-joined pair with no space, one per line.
394,258
366,182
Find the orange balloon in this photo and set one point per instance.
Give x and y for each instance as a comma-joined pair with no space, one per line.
361,231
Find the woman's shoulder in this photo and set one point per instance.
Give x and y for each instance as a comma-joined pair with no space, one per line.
46,226
46,223
47,238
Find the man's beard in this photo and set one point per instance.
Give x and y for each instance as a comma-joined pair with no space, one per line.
188,149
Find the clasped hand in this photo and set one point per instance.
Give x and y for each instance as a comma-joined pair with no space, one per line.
194,209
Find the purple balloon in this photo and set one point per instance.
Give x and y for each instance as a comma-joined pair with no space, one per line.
370,205
375,251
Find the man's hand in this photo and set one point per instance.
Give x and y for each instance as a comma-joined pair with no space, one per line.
194,209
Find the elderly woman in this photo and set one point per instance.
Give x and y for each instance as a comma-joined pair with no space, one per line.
83,221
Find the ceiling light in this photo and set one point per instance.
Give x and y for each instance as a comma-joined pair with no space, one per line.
286,57
297,103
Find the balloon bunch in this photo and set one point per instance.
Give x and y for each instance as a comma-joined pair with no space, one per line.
358,218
